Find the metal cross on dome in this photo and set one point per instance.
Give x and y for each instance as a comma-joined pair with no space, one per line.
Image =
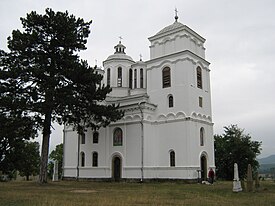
140,57
176,14
120,38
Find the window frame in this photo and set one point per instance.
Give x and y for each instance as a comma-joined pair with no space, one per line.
95,137
119,77
130,78
95,159
170,101
82,159
202,136
141,78
200,102
166,77
82,138
135,78
199,77
172,156
117,141
108,76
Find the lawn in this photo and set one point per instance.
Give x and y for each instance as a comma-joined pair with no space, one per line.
105,193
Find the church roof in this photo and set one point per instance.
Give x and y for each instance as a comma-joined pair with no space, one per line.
171,27
175,27
119,56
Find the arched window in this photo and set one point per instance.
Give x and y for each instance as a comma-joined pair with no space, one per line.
131,79
200,102
135,78
202,136
141,78
82,160
119,77
95,137
82,138
172,159
95,159
166,77
109,76
170,101
199,78
117,137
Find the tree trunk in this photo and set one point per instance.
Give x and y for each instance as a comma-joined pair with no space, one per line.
45,148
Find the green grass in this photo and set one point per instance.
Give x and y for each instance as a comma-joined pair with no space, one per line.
105,193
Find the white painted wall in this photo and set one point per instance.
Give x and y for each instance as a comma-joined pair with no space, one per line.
165,129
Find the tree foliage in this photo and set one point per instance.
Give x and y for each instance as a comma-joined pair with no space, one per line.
235,146
56,154
50,81
29,159
14,131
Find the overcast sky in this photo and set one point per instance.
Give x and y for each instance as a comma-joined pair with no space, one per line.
240,45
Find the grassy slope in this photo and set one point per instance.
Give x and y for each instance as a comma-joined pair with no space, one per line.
91,193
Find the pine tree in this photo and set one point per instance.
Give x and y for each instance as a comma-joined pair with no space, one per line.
49,76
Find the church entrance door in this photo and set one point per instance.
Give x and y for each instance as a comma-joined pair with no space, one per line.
203,168
117,168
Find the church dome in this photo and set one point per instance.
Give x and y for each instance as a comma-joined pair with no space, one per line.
119,53
119,56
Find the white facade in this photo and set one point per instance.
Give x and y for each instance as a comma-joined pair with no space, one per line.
167,129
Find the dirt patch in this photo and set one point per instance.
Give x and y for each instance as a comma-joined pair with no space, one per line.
83,191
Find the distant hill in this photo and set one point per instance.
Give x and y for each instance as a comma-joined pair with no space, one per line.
266,164
267,160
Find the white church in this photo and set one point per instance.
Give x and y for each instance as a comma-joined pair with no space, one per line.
167,129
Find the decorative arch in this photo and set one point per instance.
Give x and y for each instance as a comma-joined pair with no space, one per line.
180,115
161,117
165,40
128,118
148,117
194,114
137,117
171,116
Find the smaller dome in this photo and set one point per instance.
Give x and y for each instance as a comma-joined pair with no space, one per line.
119,53
119,56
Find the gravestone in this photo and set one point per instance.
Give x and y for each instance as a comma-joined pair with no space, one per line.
236,181
249,179
55,171
257,182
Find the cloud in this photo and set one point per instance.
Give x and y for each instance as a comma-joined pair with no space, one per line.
240,44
